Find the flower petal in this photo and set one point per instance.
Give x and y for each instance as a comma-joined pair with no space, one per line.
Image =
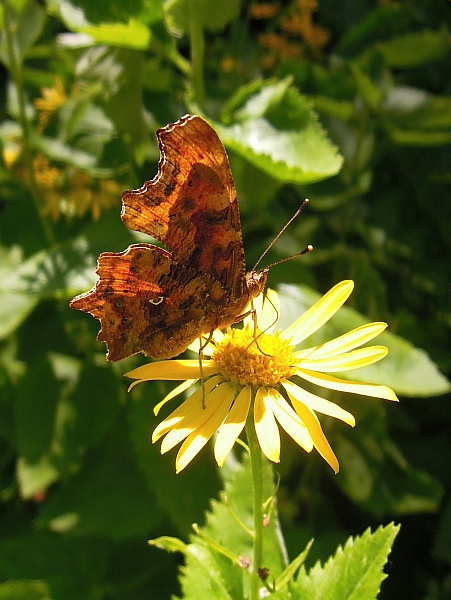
290,421
348,341
197,440
171,370
325,407
266,426
188,407
269,314
345,362
220,397
208,350
233,425
354,387
172,394
313,425
319,313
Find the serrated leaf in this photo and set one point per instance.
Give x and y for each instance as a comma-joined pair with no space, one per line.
355,572
209,573
406,369
278,132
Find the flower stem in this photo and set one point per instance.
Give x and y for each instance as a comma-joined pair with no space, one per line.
15,68
257,491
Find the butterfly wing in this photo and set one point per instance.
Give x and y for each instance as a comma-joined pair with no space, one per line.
191,205
147,303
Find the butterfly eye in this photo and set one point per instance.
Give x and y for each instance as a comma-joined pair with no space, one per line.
118,304
125,320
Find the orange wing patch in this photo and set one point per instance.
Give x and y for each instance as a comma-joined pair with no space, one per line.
159,301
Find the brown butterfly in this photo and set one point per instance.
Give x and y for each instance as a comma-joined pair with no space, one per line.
158,301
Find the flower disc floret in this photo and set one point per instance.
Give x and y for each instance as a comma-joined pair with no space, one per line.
256,360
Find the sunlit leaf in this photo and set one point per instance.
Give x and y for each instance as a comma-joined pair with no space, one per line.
278,132
355,571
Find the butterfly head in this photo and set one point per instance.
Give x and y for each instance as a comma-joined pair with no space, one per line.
256,281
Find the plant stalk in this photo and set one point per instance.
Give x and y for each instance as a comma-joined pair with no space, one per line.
256,458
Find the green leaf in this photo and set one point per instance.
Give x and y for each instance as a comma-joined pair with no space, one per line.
211,573
61,563
35,477
101,28
108,497
24,590
180,12
14,306
35,410
355,572
381,23
26,27
132,34
414,118
276,130
118,72
373,472
193,486
415,49
406,369
58,272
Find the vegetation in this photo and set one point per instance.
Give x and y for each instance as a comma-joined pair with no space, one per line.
345,103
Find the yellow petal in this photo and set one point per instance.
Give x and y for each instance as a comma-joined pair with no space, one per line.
266,426
219,399
190,406
354,387
171,370
348,341
269,314
290,421
233,425
319,313
313,425
197,440
345,362
172,394
318,404
210,347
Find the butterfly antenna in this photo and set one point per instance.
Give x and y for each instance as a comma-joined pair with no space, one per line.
309,248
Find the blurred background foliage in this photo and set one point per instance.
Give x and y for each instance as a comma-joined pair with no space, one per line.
347,103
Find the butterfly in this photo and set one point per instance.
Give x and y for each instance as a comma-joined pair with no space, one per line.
159,300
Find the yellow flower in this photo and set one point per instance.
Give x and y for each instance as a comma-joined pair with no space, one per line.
52,99
253,369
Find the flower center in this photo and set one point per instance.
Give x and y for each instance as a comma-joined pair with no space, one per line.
263,361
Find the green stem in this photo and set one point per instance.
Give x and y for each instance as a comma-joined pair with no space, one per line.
15,67
197,53
257,490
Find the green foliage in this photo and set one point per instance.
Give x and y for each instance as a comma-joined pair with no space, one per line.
345,575
218,554
348,107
